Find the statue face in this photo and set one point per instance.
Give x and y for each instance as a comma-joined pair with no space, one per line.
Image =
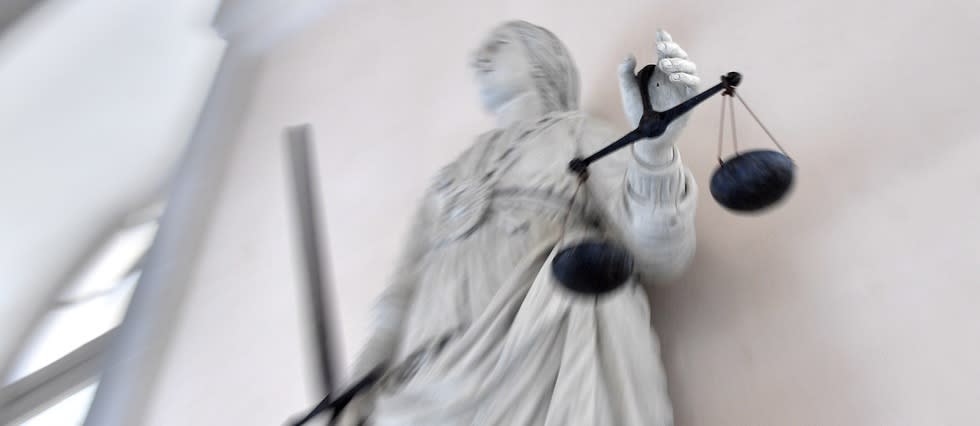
502,70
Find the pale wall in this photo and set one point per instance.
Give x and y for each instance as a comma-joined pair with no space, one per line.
853,304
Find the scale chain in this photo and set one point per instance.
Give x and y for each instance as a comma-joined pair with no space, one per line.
721,132
731,112
768,133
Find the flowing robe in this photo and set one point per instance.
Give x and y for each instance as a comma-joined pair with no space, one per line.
488,336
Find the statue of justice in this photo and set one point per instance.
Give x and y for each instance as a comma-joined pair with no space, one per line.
521,294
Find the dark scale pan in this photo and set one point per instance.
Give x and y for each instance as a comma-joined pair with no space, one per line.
748,182
753,180
592,267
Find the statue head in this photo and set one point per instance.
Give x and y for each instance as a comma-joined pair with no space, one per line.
519,57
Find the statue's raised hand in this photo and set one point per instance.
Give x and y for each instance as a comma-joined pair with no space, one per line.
673,82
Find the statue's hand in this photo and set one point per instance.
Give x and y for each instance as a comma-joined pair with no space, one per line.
673,82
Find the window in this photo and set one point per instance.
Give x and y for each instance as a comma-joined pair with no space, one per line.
89,307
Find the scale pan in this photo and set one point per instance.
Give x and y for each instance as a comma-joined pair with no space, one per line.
592,267
753,180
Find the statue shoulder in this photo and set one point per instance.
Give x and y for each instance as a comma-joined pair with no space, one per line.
466,161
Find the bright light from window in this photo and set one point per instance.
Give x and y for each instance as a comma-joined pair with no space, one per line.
68,327
113,261
69,411
91,305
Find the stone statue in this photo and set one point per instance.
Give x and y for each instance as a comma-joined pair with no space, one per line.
479,329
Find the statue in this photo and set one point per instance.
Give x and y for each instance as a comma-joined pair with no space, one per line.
476,324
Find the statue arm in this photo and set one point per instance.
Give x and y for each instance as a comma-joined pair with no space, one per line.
392,306
649,207
653,196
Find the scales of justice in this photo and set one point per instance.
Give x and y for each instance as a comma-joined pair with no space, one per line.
747,182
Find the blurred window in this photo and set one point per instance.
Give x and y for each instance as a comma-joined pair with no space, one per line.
92,304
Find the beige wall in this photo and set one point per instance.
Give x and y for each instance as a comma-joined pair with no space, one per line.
853,304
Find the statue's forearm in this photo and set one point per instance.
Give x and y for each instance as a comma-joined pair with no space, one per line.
386,329
393,305
656,182
657,214
650,204
660,151
648,151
